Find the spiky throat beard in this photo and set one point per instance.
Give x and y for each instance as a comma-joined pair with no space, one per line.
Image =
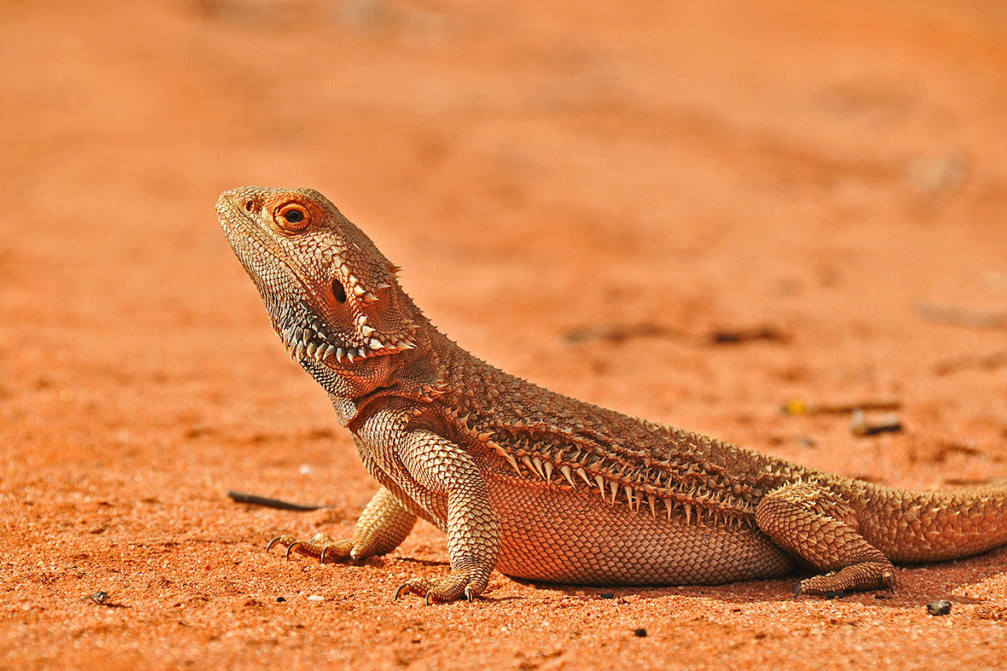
307,338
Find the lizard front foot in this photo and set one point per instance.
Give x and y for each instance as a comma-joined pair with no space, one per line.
456,585
321,546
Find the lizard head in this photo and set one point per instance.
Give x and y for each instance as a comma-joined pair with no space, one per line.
332,297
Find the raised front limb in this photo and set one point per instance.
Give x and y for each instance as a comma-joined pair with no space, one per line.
381,527
817,526
444,469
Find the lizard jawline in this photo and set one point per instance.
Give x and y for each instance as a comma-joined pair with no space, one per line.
308,342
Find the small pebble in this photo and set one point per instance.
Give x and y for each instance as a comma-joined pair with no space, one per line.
641,632
606,596
941,607
280,599
316,597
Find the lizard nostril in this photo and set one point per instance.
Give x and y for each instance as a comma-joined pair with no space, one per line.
250,205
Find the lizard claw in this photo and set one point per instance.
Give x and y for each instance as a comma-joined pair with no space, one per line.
279,539
291,547
289,541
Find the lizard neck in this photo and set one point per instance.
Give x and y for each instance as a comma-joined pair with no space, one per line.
418,374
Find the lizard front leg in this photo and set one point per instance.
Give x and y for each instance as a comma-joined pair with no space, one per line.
820,528
473,533
381,527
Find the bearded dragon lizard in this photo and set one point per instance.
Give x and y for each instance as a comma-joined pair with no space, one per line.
545,487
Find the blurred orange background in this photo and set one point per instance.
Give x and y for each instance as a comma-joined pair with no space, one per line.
581,193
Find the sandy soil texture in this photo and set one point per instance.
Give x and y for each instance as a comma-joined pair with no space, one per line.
590,197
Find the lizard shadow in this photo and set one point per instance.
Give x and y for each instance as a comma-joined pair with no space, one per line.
919,585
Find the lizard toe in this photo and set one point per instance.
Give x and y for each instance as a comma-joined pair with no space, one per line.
321,546
863,576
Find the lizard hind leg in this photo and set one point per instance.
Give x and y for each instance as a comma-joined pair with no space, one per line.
819,527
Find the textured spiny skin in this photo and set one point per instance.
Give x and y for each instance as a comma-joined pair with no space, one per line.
542,486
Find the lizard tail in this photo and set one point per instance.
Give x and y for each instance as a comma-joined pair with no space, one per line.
922,526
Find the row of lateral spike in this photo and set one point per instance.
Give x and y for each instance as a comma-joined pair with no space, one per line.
717,511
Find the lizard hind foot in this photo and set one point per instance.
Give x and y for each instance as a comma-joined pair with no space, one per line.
321,546
862,576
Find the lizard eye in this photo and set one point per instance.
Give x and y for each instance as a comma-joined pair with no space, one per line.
292,217
338,291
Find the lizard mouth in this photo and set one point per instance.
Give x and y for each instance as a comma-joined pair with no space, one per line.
310,340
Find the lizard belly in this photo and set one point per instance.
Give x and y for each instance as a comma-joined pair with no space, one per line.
570,535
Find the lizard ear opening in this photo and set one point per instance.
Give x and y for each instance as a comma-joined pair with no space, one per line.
338,291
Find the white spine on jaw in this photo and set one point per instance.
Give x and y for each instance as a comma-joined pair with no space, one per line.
312,342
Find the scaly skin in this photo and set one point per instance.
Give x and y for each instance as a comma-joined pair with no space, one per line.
545,487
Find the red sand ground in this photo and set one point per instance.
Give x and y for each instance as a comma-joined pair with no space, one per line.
830,171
